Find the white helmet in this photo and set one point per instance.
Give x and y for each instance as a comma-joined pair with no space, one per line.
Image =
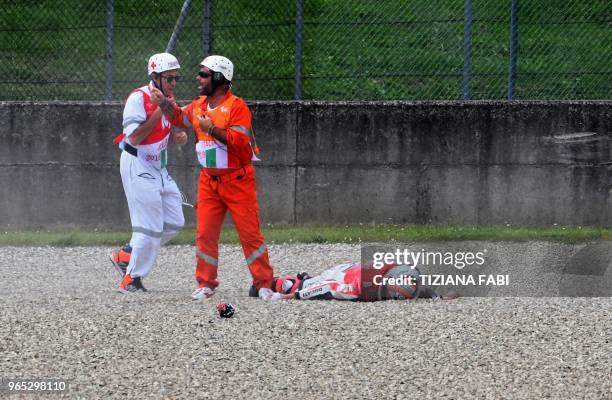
162,62
402,283
219,64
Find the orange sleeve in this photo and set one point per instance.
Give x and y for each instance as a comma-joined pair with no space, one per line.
178,119
239,139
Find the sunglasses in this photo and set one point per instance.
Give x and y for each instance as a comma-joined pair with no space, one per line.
171,78
204,75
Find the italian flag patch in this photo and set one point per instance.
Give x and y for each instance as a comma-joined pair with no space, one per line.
163,156
211,158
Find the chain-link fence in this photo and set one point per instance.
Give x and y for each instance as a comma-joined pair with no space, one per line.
313,49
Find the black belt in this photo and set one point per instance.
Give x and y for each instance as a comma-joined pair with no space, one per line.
130,149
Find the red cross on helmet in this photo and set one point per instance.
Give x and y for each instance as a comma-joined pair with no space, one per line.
162,62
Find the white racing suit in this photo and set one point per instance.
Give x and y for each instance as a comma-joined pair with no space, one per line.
352,281
153,197
342,282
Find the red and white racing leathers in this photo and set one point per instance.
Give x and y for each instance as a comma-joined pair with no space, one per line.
342,282
352,281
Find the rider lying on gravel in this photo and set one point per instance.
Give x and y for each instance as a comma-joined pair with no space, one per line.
358,283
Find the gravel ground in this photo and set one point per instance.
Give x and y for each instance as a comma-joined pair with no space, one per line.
61,318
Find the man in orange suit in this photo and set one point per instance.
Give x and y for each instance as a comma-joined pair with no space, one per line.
222,124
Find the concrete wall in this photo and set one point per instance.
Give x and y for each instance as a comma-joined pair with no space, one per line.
334,163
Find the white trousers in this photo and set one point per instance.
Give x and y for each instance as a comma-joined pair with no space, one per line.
156,211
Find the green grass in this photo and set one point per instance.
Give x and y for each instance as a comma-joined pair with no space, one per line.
320,234
352,50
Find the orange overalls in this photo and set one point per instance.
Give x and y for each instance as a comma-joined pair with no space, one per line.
227,182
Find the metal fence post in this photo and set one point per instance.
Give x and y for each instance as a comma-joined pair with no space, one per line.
513,49
178,27
207,28
110,27
299,42
467,49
